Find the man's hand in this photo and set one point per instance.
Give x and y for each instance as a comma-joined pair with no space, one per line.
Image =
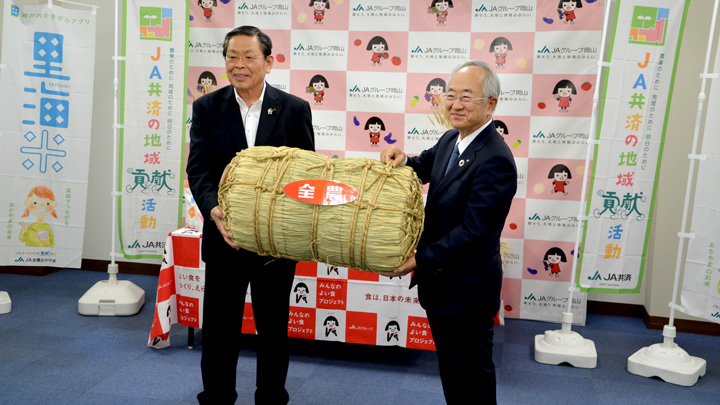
217,215
407,267
392,153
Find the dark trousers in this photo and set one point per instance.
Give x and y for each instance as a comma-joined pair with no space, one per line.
464,349
225,287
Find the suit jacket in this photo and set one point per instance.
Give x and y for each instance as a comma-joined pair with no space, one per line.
459,269
217,134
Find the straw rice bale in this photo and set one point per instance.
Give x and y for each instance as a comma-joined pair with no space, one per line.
378,231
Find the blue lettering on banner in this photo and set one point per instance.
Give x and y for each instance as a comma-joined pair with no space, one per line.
53,111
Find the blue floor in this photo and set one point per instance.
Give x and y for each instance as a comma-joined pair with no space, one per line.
49,354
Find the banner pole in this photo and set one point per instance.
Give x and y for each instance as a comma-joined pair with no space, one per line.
667,360
5,301
563,345
115,141
112,297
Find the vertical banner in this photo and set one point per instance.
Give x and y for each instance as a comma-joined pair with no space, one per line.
371,71
152,121
46,82
701,283
638,89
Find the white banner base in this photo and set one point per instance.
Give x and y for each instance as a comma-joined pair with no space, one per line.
565,346
667,361
112,297
5,303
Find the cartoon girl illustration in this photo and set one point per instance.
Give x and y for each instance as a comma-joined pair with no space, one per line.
374,125
566,9
379,48
434,91
393,330
331,324
301,292
206,84
560,175
207,6
440,8
41,203
319,7
318,84
500,46
562,92
552,260
501,128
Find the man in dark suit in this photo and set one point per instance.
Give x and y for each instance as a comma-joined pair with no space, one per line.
247,113
457,266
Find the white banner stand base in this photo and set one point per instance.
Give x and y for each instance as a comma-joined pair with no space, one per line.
667,361
564,346
112,297
5,303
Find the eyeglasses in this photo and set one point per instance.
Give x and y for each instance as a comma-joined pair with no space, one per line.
233,59
450,98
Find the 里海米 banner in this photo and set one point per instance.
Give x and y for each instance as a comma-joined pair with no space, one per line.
46,82
632,121
152,121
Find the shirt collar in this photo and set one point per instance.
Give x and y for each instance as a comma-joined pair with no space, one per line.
465,142
241,102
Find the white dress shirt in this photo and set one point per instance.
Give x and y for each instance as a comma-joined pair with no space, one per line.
250,116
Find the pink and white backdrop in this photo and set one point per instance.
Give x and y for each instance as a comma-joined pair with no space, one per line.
380,62
546,53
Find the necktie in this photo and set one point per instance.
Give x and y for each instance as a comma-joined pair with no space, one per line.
453,158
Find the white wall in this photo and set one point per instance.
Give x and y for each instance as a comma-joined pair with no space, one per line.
663,243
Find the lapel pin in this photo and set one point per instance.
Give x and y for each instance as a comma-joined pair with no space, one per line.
462,163
270,111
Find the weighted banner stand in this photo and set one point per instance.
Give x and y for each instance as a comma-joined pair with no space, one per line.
565,346
113,297
5,303
667,360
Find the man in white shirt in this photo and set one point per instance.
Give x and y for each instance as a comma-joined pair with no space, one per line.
248,112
